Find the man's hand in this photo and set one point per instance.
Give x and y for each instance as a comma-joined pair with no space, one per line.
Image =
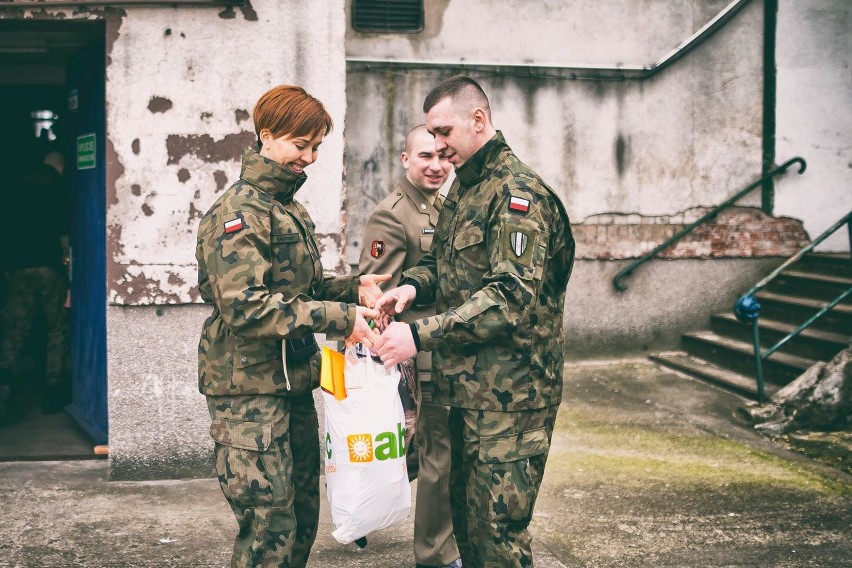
396,301
368,288
363,333
396,344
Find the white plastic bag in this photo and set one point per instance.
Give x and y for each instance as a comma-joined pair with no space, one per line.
365,472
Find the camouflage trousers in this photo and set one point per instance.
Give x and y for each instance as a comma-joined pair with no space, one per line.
30,291
268,464
497,464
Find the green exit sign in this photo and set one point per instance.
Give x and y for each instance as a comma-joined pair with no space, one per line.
86,151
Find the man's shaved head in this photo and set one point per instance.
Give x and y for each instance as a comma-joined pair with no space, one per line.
465,93
413,134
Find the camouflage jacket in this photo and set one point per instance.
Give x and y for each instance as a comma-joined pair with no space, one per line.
259,265
498,269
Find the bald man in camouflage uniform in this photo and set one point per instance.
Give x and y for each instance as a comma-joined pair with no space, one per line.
498,270
398,233
259,266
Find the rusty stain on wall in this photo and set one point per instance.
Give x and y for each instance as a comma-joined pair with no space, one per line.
134,146
159,104
183,175
221,180
241,115
194,213
135,287
205,148
247,10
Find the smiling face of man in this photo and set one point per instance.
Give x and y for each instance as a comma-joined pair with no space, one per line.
424,167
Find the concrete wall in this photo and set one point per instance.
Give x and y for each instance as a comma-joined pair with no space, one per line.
158,421
689,136
180,88
814,56
664,299
653,149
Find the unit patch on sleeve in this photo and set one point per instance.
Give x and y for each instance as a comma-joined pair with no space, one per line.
519,243
519,204
233,225
377,249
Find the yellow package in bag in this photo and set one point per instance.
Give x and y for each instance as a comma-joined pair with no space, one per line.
331,373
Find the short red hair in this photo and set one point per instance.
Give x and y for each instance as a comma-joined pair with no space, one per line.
291,111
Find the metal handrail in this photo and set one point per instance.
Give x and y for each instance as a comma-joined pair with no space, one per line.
748,309
625,272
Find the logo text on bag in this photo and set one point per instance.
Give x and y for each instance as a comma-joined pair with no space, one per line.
384,446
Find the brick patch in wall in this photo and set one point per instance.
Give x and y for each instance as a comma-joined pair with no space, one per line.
738,232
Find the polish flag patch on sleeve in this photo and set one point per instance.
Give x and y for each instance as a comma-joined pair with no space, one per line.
233,225
519,204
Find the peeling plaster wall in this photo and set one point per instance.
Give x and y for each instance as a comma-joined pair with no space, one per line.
814,57
180,90
181,85
689,136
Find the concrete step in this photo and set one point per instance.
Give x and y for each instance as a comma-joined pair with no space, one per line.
796,310
812,285
811,343
826,263
707,371
738,356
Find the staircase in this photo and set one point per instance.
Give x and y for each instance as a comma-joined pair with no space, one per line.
724,354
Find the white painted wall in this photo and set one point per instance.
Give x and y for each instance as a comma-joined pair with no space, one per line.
542,32
690,136
814,113
209,68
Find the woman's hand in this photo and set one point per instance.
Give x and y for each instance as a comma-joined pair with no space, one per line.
368,288
363,333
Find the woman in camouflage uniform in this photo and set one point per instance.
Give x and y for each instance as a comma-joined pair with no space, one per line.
259,265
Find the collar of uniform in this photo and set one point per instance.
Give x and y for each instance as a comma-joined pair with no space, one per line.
482,162
270,176
418,196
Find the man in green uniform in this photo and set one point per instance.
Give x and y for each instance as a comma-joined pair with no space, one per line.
398,233
498,269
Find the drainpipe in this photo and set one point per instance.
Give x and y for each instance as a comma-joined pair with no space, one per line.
770,84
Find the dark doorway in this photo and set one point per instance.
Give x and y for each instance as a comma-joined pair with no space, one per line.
52,99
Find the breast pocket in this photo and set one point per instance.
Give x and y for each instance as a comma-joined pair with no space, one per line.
293,264
470,249
425,243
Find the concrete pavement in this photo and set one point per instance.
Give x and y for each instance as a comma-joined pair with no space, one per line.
648,468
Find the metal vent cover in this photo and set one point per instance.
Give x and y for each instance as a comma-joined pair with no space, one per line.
404,16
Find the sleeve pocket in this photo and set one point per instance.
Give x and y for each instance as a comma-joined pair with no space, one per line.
240,434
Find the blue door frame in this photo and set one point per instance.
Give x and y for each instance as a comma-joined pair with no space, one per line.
87,168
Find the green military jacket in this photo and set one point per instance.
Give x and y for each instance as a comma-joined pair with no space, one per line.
259,265
501,259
